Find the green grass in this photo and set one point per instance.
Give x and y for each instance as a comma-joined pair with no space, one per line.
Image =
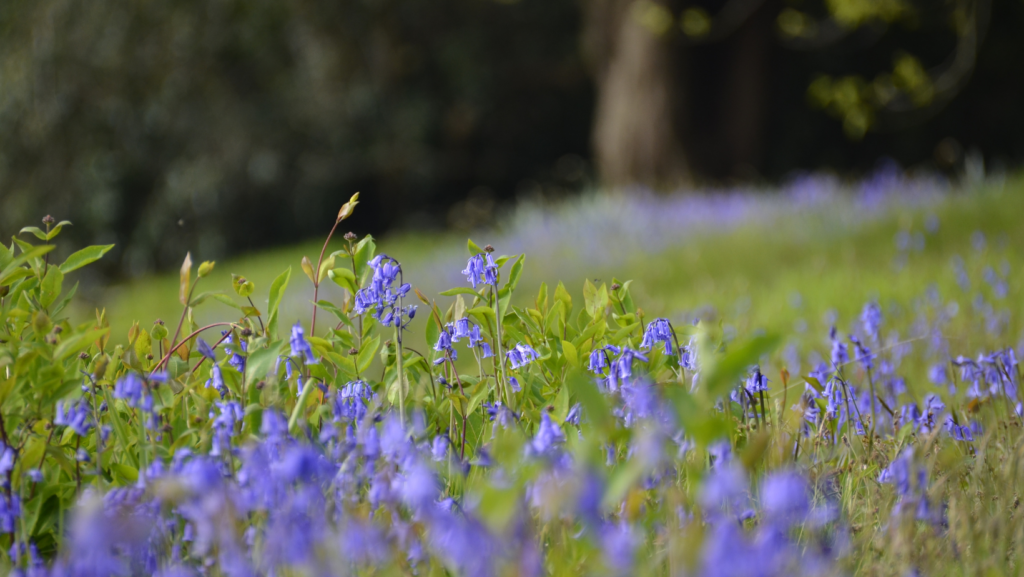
832,257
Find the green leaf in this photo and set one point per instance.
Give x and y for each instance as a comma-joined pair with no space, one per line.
364,251
594,403
143,344
215,295
56,229
127,474
485,314
277,289
344,278
620,482
85,256
474,249
34,230
433,331
514,274
721,373
50,288
64,302
243,286
30,253
815,384
569,351
365,357
78,343
300,406
261,361
595,299
563,295
462,290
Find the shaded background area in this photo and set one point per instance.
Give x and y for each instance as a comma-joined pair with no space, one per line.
227,126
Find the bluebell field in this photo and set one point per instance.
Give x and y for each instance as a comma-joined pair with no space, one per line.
537,433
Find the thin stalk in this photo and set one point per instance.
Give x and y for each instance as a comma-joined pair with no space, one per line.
502,386
170,352
455,372
184,311
400,363
871,383
316,276
263,329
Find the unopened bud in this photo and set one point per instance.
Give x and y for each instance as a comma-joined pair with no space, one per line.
489,249
350,235
616,286
48,220
84,356
246,332
353,351
58,330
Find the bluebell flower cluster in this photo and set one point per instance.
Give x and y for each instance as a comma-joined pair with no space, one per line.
481,270
380,297
454,332
521,355
658,331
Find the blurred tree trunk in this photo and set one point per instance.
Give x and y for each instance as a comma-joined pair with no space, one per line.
638,117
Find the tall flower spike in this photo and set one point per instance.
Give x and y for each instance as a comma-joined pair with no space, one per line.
300,346
658,331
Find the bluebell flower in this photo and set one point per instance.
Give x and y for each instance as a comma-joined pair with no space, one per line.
204,349
688,356
840,354
352,401
785,497
300,346
460,330
618,545
74,415
380,296
236,360
599,358
216,380
573,418
757,382
548,436
224,427
725,490
621,371
129,388
658,331
7,457
417,486
485,349
439,447
871,319
958,432
864,355
514,383
499,414
445,345
481,269
522,355
10,512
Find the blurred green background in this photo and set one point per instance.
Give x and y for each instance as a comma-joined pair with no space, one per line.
227,126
